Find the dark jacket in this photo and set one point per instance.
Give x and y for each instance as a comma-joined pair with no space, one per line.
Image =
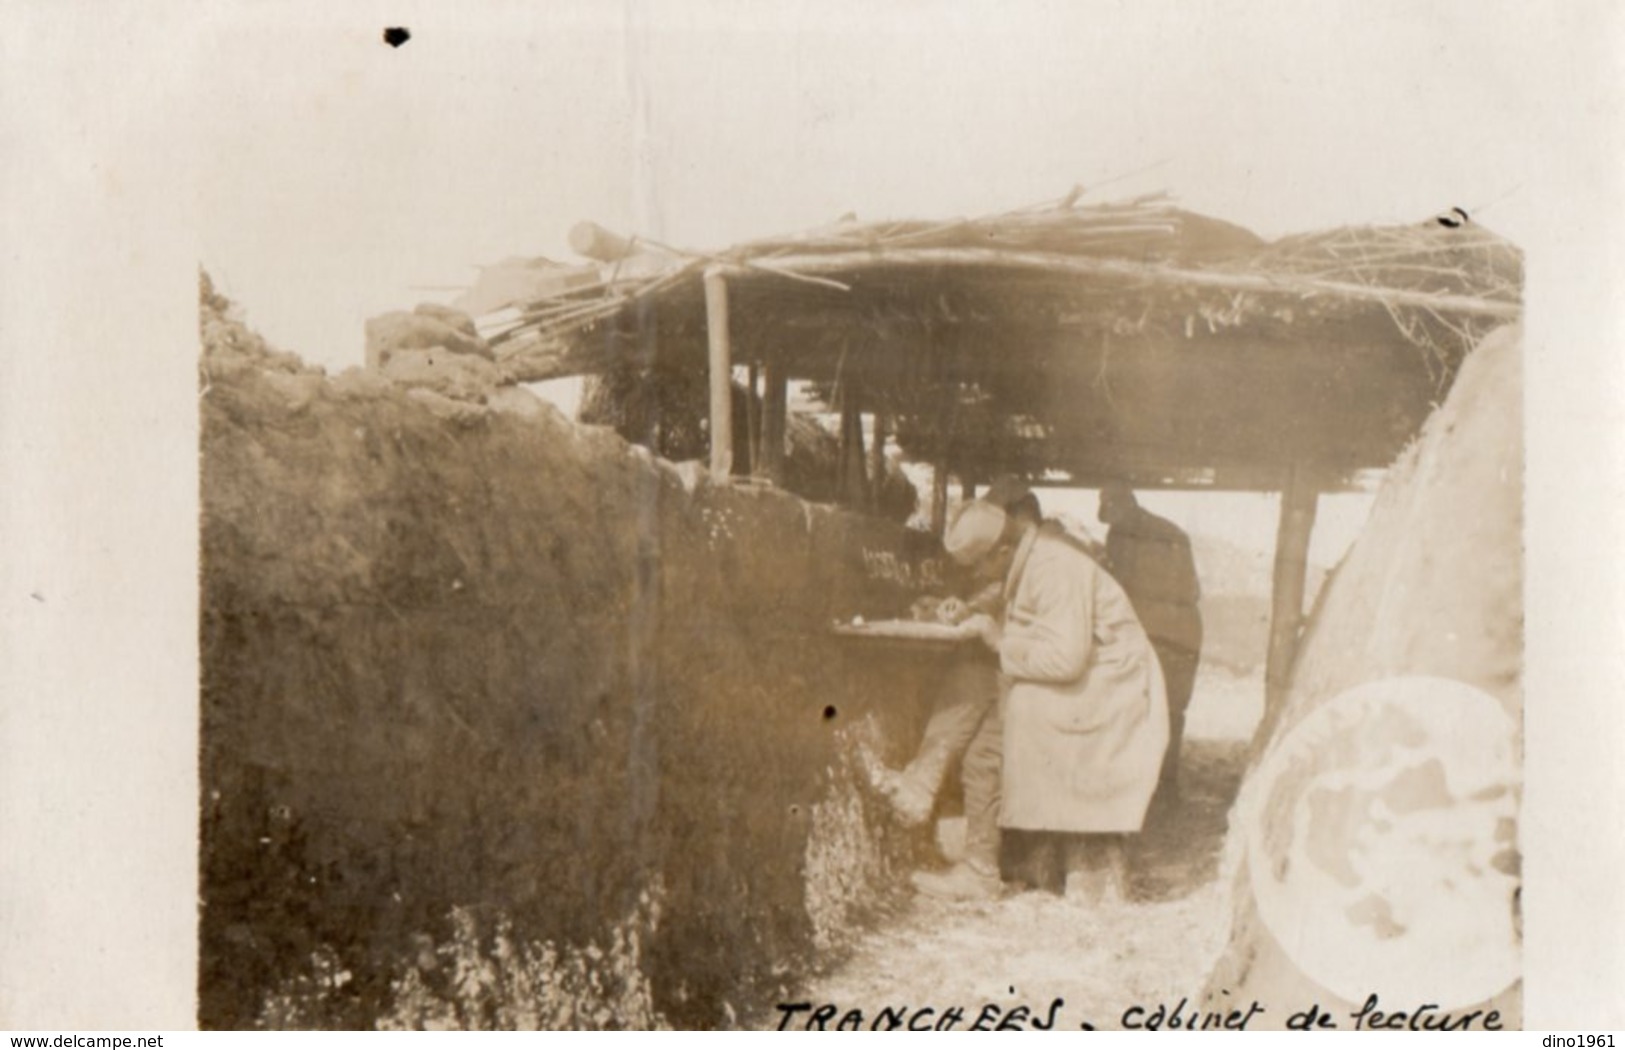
1151,558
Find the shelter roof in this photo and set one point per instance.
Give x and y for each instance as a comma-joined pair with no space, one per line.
1077,342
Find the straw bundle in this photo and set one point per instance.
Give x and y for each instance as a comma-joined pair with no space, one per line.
1135,262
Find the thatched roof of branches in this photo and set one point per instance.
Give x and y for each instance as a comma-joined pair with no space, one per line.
1079,342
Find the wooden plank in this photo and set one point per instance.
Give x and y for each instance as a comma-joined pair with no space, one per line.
939,496
721,370
775,412
1299,498
753,419
1151,273
877,458
853,484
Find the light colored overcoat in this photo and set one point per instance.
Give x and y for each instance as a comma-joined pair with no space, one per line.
1086,715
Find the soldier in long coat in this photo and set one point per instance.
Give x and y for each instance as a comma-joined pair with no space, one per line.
1085,716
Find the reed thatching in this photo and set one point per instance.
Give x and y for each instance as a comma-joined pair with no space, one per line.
1444,270
1066,332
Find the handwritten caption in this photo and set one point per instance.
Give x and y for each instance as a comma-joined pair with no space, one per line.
1372,1015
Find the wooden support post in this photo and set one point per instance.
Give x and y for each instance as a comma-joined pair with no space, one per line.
854,491
877,458
947,412
775,410
939,496
753,421
1298,501
721,364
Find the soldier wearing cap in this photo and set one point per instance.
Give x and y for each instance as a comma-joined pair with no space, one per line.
963,724
1082,722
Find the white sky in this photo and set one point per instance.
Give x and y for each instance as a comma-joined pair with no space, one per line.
345,178
339,173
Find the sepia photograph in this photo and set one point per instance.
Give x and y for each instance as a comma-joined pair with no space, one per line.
936,516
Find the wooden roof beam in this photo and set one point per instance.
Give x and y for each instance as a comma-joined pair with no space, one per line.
1124,270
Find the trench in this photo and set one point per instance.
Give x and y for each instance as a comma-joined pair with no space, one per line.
506,723
1155,945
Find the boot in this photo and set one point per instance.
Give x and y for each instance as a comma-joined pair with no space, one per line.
962,882
1035,860
1096,870
910,802
1117,870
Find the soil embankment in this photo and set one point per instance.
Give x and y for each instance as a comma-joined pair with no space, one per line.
1373,850
503,725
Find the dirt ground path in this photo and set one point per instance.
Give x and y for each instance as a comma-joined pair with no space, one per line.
1032,948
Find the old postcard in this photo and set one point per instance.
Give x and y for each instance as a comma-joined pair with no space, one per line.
937,516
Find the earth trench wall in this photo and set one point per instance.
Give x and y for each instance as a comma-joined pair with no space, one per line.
489,660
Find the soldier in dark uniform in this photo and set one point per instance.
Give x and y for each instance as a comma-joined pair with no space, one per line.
1151,558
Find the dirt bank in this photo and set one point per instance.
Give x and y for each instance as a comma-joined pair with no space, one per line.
1374,848
506,722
